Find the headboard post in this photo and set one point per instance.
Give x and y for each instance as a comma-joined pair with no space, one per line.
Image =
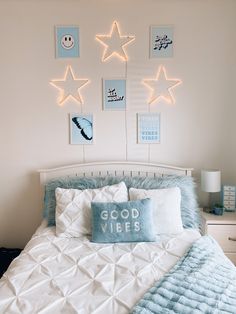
42,181
189,172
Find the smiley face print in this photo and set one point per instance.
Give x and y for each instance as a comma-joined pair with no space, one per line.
67,42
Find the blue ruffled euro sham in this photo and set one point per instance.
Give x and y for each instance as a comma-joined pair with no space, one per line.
189,207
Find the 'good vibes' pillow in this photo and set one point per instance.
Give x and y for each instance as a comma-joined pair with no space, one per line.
122,222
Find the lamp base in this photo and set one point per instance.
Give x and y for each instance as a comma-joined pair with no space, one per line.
207,210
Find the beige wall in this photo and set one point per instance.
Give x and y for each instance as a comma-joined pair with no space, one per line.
198,131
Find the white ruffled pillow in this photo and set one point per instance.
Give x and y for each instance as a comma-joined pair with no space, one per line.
166,212
73,207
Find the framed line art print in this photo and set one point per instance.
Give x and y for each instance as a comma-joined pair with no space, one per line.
81,128
148,128
114,94
161,41
67,42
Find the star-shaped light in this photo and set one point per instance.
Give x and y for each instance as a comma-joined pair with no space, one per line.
162,86
114,43
69,87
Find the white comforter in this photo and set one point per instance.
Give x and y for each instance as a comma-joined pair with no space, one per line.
58,275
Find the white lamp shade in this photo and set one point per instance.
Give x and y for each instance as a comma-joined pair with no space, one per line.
211,180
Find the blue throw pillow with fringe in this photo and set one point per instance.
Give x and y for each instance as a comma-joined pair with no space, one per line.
189,207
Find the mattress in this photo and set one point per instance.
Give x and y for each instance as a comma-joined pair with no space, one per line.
74,275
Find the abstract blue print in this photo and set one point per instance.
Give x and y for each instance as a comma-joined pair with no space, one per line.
81,129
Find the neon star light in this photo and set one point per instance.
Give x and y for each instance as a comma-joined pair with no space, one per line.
115,43
161,87
69,87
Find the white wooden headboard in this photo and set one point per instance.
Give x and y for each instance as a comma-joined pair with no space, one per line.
114,168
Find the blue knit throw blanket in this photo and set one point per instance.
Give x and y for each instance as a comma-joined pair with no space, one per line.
202,281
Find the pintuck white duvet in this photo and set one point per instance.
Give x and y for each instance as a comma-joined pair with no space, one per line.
73,275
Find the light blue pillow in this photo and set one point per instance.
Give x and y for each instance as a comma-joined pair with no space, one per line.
189,207
122,222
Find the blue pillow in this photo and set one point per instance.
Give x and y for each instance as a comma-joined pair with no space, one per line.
189,207
122,222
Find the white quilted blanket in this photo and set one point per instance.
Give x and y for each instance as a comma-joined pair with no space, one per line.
60,275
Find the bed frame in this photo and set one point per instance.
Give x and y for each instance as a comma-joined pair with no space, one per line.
113,168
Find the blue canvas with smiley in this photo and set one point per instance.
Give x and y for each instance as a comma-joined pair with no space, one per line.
67,42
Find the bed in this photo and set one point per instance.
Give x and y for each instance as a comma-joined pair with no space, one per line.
66,271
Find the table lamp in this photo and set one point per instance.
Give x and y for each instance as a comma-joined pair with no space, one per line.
211,183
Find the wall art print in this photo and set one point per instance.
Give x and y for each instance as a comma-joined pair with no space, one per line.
148,128
81,128
114,94
67,41
161,41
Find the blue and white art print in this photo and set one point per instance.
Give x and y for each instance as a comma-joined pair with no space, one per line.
148,128
114,94
81,129
67,42
161,41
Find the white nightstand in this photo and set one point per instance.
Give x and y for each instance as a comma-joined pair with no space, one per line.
223,230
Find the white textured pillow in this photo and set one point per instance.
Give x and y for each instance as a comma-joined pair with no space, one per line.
166,211
73,207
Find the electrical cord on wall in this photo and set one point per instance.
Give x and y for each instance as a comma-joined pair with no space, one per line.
126,127
81,111
149,147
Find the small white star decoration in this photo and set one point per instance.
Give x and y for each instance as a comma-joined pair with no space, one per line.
115,43
162,86
69,87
